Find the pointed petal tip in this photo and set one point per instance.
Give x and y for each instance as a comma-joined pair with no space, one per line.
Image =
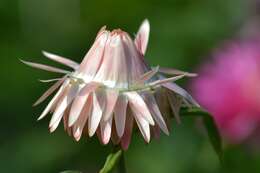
45,53
146,23
23,61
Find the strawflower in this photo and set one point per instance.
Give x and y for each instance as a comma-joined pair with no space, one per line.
113,89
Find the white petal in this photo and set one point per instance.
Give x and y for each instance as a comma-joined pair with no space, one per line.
54,100
120,115
105,127
95,116
153,107
138,106
44,67
143,126
142,37
49,91
54,126
111,98
80,101
61,60
126,138
64,102
50,80
81,122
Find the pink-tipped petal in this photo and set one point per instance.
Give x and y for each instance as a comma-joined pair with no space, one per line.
94,57
49,91
156,131
44,67
114,137
96,114
102,29
56,124
106,127
111,98
54,100
64,102
120,115
142,37
113,71
139,107
61,60
80,101
154,109
81,121
143,126
126,138
175,88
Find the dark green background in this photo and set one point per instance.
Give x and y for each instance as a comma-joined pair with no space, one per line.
183,32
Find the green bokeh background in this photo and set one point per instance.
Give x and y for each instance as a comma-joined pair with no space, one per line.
183,32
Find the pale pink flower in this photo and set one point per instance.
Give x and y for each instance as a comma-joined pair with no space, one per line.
112,89
229,87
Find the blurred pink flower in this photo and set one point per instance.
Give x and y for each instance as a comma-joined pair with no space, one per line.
229,88
112,87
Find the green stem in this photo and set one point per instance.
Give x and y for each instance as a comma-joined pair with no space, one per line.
121,165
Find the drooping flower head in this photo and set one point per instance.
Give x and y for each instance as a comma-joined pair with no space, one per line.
113,89
229,88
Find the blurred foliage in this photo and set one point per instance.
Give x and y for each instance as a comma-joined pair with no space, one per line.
182,33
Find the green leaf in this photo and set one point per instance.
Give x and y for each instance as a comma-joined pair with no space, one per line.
210,125
111,161
70,171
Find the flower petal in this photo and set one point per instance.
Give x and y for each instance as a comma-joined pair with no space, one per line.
94,57
96,114
143,126
154,109
163,104
175,104
142,37
148,75
120,115
55,99
64,102
50,80
126,138
61,60
49,91
81,121
106,127
56,124
44,67
113,71
172,71
155,130
166,80
175,88
139,107
111,98
80,101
